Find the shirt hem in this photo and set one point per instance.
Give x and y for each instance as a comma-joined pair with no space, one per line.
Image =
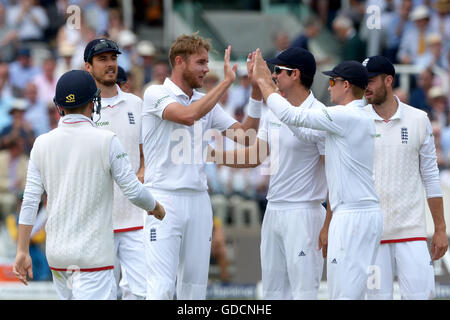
83,269
403,240
128,229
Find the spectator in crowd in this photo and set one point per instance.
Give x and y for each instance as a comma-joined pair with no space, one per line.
97,15
219,249
22,71
280,42
8,37
437,132
66,51
37,110
143,69
419,95
127,41
41,270
29,20
311,29
5,96
326,10
239,94
440,21
160,71
401,94
413,41
396,27
115,24
19,128
434,54
13,168
45,81
353,48
5,82
439,106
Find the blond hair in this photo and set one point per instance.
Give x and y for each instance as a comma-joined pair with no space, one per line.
185,45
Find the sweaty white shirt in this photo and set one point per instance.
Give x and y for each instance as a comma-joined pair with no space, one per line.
299,174
349,147
174,153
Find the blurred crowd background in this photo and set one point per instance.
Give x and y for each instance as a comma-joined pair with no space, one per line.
38,44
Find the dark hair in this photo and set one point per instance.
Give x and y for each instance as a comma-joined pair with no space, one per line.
306,80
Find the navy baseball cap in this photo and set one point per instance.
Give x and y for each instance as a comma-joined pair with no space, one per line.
376,65
352,71
121,75
75,88
297,58
98,46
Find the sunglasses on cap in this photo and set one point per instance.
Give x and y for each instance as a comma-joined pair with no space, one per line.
333,81
278,69
107,44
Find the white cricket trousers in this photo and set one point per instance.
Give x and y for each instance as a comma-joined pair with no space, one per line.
130,262
90,285
291,262
411,262
353,239
177,249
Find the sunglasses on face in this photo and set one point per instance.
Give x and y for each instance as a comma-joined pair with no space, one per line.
278,69
333,81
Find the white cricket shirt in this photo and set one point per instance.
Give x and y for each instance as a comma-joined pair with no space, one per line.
349,148
405,163
174,153
80,190
299,172
122,115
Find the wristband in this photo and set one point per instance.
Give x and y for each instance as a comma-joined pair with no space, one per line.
254,108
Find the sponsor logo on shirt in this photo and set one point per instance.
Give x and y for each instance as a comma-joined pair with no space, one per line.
326,114
275,124
102,123
122,155
158,102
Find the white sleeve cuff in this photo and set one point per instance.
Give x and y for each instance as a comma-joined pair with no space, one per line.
254,108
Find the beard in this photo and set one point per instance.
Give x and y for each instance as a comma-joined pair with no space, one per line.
379,97
105,82
191,79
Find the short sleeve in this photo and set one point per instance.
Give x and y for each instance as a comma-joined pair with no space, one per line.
156,99
221,120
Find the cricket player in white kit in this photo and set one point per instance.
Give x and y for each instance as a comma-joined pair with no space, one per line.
121,114
175,123
356,224
405,165
77,164
291,264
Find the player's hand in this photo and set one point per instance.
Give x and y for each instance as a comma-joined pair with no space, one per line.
229,72
261,72
323,241
439,245
23,267
158,212
140,174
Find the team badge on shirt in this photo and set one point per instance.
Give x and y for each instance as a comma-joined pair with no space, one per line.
131,118
404,135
